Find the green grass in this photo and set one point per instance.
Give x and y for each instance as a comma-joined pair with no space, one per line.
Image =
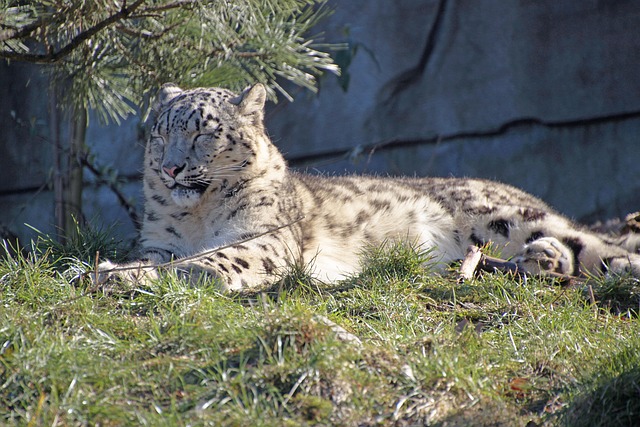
495,351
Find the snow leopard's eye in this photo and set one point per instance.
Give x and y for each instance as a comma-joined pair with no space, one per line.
202,137
208,134
156,141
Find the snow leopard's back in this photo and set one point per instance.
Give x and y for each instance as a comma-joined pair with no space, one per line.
343,215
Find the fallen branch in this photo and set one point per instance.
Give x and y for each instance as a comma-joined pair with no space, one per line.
470,263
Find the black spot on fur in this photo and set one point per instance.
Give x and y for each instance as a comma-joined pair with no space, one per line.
530,214
575,244
161,200
476,240
381,205
173,231
576,247
480,210
362,217
346,232
236,210
244,264
268,265
207,262
221,255
180,215
500,226
246,236
236,268
266,201
535,236
223,268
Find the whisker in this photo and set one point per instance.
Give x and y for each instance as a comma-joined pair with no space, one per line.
221,176
233,168
226,171
207,176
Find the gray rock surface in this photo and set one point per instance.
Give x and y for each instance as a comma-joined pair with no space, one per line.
543,95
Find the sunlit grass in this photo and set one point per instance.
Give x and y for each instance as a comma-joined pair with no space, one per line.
492,351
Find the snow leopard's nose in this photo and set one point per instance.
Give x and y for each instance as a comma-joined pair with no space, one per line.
173,171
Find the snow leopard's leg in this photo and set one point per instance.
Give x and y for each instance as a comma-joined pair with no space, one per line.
576,254
139,272
237,267
539,241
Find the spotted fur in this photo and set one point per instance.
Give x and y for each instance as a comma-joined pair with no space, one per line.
213,179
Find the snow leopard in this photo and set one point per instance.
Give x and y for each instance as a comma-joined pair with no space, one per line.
222,203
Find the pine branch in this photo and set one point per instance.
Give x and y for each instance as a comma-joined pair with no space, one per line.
55,56
153,10
13,33
111,63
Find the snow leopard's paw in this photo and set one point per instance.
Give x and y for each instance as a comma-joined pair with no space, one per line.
543,255
623,265
110,276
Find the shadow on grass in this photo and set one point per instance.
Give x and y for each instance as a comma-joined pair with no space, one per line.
615,401
619,295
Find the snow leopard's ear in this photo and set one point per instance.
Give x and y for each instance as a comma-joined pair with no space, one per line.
251,102
167,92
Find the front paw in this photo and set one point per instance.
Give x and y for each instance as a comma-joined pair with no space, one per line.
545,255
110,276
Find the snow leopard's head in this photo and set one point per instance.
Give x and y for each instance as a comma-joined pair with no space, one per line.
203,139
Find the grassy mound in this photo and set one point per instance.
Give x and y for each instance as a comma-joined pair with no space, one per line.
426,350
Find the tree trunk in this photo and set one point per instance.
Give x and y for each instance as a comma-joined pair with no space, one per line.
58,164
73,196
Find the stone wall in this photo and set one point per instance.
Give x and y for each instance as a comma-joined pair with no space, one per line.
543,95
